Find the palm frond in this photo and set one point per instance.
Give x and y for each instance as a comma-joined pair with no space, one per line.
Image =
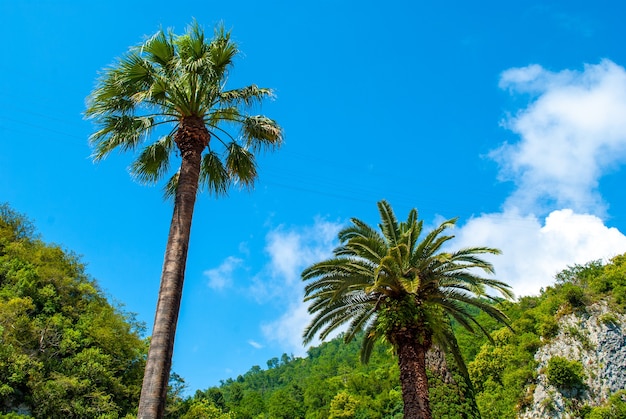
159,49
261,133
124,132
241,165
222,51
383,281
248,96
369,340
169,191
389,223
154,160
228,114
214,175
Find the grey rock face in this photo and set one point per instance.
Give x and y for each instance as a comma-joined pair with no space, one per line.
595,338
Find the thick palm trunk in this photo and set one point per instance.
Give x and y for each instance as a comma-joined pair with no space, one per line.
412,363
191,139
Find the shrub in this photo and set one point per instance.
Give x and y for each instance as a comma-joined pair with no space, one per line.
548,327
574,295
609,319
563,373
615,408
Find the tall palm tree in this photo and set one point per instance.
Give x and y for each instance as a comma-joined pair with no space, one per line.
169,94
392,286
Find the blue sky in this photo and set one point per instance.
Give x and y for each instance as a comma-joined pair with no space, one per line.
509,115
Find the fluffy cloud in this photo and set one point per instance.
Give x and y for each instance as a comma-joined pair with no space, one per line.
290,251
570,135
534,249
288,329
572,132
222,276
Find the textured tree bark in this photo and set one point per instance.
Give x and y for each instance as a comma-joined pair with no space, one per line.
412,364
191,138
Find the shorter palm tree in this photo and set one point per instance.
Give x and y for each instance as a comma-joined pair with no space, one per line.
392,286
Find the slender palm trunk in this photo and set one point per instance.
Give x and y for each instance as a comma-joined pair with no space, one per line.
412,363
191,139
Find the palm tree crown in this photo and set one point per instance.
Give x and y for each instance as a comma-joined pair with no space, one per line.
390,285
174,86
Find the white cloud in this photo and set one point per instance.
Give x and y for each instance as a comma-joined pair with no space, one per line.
255,344
288,329
290,251
570,135
534,250
572,132
222,276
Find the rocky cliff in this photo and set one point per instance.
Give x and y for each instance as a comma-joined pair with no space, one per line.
594,338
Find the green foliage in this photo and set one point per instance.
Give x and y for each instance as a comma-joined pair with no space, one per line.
563,373
203,409
548,326
608,319
397,285
343,405
329,382
574,295
168,92
615,408
65,352
504,372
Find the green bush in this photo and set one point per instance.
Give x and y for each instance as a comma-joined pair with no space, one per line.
614,409
548,327
609,319
563,373
574,295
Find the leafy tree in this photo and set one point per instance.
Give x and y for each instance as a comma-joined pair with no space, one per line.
287,403
392,286
65,352
171,89
343,405
306,387
504,373
203,409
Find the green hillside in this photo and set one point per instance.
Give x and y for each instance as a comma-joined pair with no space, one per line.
331,383
66,352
